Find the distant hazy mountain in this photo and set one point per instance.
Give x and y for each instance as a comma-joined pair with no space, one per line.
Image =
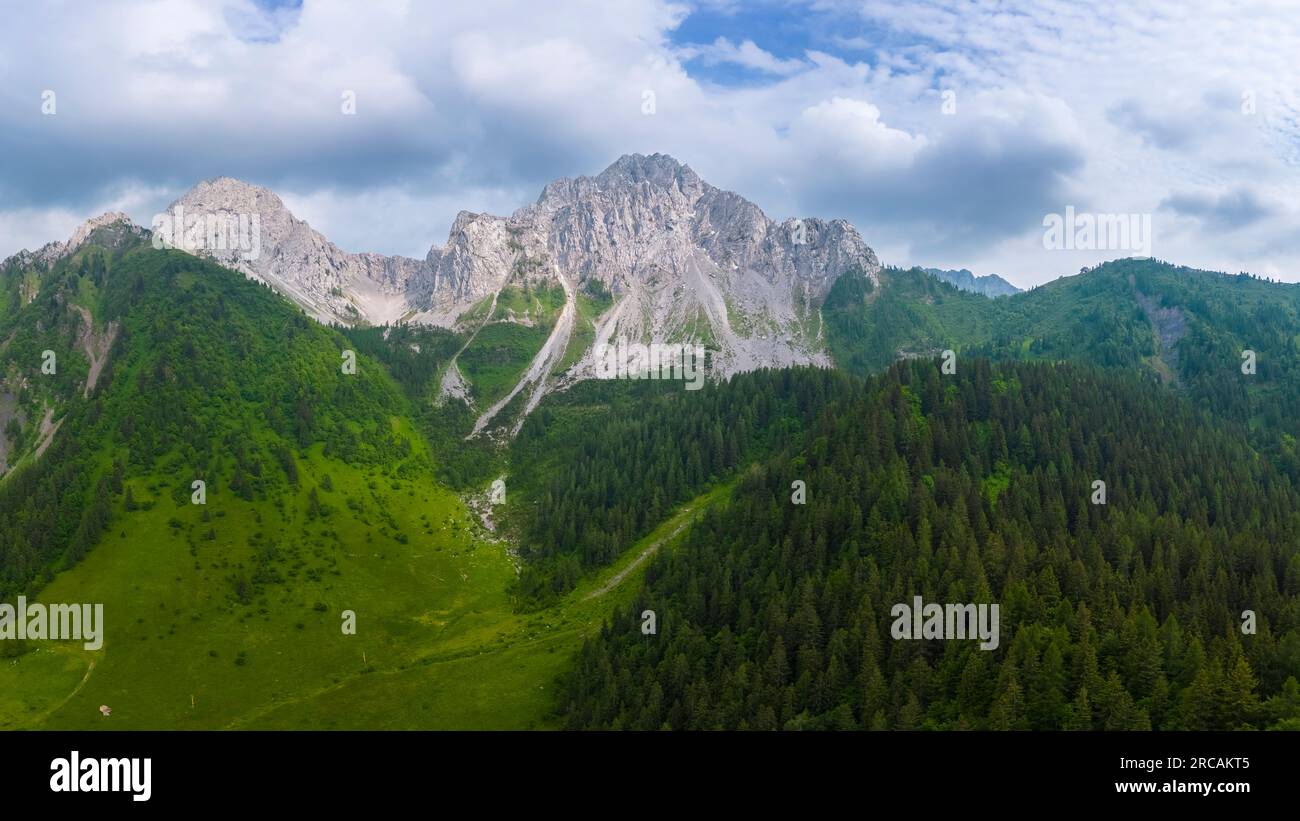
990,285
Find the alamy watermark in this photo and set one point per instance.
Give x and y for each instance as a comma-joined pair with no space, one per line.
209,231
1075,231
946,621
77,774
36,621
654,361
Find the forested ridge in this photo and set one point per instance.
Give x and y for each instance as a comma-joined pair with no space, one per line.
975,488
210,377
604,463
1188,327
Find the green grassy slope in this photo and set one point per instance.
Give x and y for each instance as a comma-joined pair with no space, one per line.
322,497
438,643
502,676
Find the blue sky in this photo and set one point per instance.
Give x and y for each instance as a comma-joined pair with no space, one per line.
828,108
785,33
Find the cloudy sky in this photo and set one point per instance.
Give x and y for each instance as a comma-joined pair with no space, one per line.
945,131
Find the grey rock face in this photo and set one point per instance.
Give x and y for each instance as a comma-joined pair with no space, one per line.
677,250
685,263
248,228
684,260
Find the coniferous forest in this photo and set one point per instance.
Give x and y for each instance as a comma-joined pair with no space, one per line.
975,487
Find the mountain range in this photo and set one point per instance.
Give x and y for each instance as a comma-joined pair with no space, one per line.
645,251
988,285
129,372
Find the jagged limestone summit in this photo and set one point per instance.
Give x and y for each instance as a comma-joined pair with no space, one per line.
681,258
645,252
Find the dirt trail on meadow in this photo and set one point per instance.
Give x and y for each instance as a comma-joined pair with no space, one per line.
646,553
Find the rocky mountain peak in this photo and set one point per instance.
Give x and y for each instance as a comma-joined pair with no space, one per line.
224,187
264,240
231,197
109,219
52,252
658,170
682,262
